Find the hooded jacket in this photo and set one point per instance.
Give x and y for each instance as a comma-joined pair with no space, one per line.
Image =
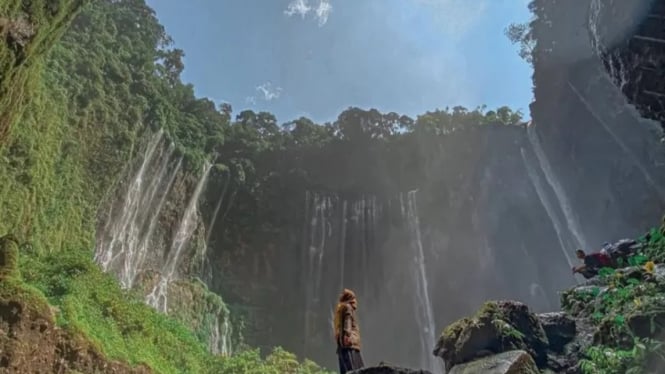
346,325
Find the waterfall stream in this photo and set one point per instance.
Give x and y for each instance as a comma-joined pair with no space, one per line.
545,201
126,238
562,198
158,297
423,313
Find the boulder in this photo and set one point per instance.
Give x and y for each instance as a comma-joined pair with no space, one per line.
511,362
559,328
388,369
647,324
498,327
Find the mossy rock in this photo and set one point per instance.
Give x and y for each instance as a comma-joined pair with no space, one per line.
512,362
499,326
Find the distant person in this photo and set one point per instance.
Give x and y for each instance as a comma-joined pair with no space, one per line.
592,263
347,333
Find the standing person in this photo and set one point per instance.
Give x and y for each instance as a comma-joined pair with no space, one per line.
347,333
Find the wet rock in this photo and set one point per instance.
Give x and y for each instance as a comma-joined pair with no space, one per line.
498,327
659,273
512,362
559,328
388,369
647,324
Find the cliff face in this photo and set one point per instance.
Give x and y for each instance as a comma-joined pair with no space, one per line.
606,156
422,245
630,40
423,227
588,169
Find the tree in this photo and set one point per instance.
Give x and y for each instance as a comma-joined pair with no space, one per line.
520,33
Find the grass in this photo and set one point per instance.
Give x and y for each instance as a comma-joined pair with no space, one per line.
92,304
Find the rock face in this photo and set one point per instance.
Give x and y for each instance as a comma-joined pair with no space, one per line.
498,327
512,362
605,155
506,337
636,63
593,316
559,328
29,339
388,369
31,342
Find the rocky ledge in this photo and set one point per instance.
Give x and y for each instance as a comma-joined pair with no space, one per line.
616,314
388,369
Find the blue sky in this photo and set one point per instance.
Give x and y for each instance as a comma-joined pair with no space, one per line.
317,57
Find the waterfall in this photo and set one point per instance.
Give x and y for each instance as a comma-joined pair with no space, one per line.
158,298
118,228
617,139
342,246
218,206
617,75
549,209
318,208
219,341
424,313
136,262
560,194
125,252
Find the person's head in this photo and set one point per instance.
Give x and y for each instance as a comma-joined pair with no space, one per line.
348,297
580,254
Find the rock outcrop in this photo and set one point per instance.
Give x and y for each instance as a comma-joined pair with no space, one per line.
611,313
388,369
512,362
30,341
506,337
498,327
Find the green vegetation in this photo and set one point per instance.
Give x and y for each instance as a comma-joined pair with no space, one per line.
120,325
90,101
80,110
29,29
626,312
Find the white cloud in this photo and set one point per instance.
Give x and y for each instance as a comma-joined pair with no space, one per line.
323,12
302,8
456,17
269,92
299,7
266,91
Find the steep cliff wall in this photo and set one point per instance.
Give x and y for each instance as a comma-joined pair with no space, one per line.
630,40
607,157
423,231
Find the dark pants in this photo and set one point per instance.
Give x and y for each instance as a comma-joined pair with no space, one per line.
349,359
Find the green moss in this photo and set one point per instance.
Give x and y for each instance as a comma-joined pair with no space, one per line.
202,312
92,305
29,30
8,258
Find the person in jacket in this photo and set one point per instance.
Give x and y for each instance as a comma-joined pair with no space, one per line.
347,333
592,263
